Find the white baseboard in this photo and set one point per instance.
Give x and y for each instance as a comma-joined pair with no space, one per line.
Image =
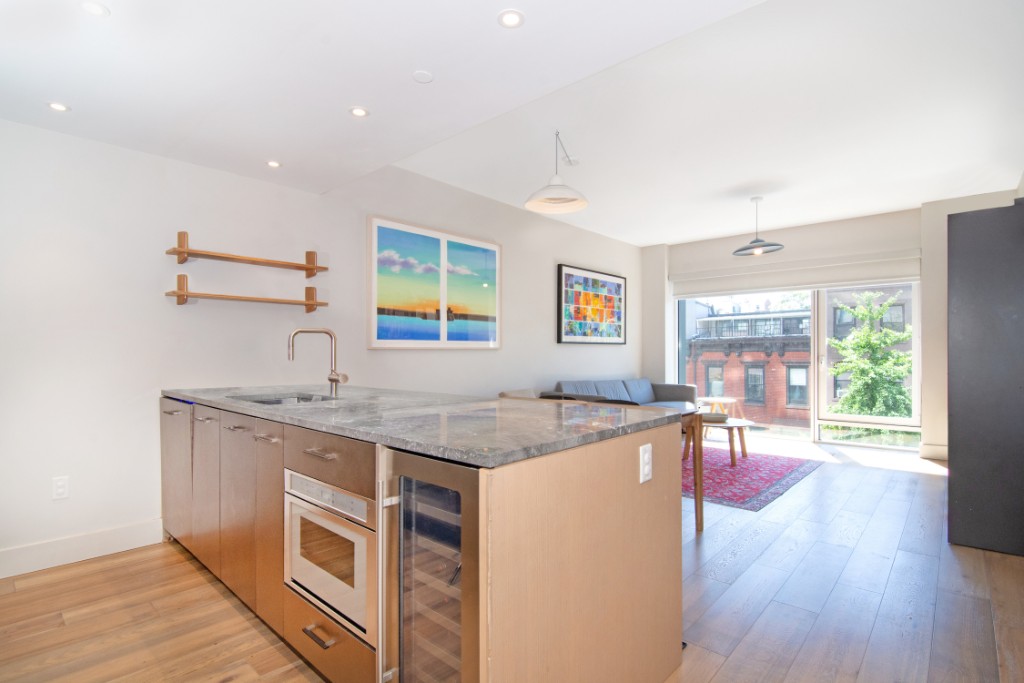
934,451
46,554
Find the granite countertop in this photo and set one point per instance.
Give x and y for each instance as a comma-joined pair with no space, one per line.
465,429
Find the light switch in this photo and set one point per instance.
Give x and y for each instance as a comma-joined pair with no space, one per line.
646,463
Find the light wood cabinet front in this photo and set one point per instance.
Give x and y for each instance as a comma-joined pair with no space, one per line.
176,469
270,523
238,505
206,487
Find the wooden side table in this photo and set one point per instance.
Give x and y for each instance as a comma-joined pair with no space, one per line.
723,404
732,425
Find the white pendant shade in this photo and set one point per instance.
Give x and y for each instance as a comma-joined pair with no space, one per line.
556,197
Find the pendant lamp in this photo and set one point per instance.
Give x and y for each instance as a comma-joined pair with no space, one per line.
757,246
556,196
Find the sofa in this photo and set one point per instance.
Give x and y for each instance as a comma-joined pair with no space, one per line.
641,391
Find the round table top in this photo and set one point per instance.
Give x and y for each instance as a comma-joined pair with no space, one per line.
731,422
725,400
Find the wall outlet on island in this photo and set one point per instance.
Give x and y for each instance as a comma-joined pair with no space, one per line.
61,487
646,463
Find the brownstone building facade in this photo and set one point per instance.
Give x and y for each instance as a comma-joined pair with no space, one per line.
760,359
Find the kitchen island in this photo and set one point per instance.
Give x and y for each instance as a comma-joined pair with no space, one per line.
559,560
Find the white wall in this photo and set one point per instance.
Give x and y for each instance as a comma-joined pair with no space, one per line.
659,350
532,247
89,339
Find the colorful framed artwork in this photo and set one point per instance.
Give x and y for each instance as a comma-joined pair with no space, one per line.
432,290
591,307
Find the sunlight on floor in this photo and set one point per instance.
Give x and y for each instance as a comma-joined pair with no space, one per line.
906,461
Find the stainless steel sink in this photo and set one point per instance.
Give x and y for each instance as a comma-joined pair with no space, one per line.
284,399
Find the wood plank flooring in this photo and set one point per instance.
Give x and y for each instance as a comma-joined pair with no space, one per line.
151,614
846,577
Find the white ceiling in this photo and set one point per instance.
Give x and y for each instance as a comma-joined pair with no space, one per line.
678,110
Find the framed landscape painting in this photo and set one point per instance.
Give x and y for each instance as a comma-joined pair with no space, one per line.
591,307
432,290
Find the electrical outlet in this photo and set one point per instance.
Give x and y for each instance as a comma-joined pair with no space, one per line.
646,463
61,487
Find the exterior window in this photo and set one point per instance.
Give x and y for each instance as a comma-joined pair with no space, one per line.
893,318
840,386
715,380
795,325
796,385
842,323
754,392
741,328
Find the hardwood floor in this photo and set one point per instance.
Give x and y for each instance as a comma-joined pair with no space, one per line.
846,577
152,614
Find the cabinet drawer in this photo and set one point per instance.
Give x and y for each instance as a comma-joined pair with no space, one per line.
336,460
339,655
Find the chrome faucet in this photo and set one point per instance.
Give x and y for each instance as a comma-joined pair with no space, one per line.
334,378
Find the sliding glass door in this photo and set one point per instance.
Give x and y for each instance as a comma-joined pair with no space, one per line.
868,351
836,364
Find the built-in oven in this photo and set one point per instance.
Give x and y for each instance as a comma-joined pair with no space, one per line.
331,552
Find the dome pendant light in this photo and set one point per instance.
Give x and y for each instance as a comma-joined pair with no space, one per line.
757,246
556,196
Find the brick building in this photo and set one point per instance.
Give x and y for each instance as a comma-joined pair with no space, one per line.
761,359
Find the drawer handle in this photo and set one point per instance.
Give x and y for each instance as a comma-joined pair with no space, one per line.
318,452
236,428
265,437
324,645
204,419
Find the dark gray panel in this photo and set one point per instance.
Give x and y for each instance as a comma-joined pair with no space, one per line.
986,379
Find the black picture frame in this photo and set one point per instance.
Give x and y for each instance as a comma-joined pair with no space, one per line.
591,306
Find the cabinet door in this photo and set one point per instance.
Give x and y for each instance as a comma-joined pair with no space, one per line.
206,486
238,505
176,469
270,523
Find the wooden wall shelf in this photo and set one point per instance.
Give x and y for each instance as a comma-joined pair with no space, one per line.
182,294
184,253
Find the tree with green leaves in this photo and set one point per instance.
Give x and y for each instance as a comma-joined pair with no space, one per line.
875,367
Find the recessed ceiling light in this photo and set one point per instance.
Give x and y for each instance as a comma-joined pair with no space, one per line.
511,18
274,164
359,112
422,76
96,9
57,106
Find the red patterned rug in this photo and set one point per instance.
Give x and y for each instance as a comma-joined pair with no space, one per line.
755,481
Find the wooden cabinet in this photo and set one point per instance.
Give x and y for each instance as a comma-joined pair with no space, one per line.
238,505
269,523
492,577
206,487
176,469
223,498
562,567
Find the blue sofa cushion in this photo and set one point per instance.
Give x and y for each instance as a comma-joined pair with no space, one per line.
681,406
613,389
640,390
583,387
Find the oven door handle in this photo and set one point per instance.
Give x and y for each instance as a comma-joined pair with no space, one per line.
324,645
319,453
